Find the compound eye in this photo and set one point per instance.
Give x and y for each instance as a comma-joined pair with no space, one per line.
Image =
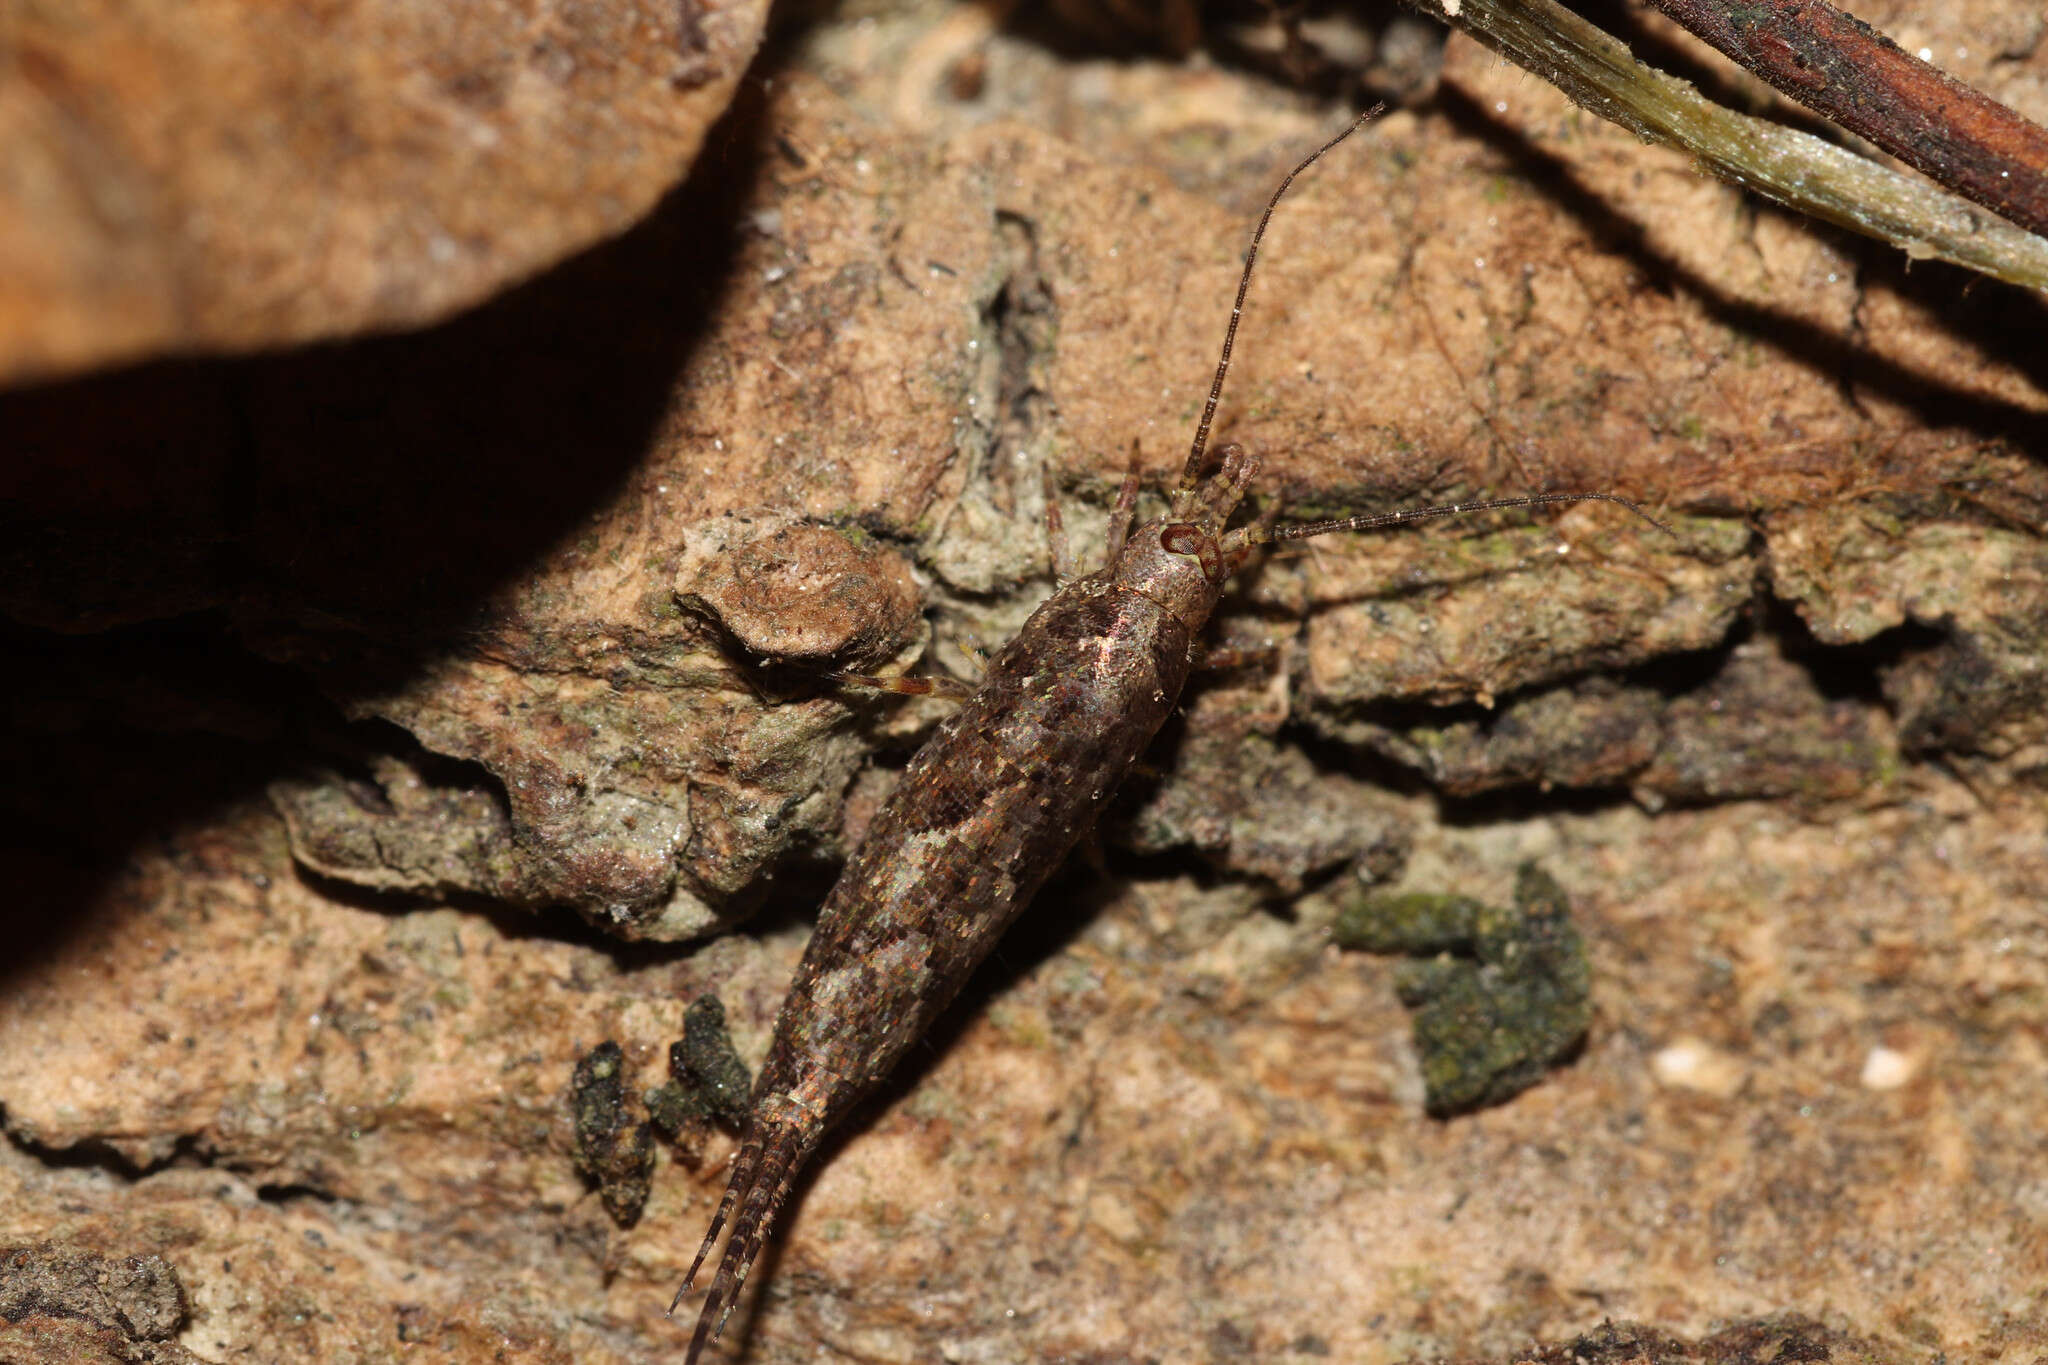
1184,538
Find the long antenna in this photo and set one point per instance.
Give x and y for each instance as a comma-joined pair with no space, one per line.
1245,537
1192,470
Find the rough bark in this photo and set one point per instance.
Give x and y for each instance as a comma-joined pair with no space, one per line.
205,176
421,592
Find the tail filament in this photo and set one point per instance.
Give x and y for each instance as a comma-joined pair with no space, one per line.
761,1181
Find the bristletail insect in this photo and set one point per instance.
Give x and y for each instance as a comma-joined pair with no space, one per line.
994,801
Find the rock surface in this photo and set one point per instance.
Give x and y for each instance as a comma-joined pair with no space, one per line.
339,664
224,175
356,1123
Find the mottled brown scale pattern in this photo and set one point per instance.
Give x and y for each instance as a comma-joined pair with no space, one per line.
986,811
990,807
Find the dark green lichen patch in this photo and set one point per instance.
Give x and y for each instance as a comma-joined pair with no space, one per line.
612,1150
1506,995
707,1080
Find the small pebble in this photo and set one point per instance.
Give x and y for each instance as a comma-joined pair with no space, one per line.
1887,1069
1690,1064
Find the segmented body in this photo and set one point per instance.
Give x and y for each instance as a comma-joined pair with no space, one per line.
992,804
986,811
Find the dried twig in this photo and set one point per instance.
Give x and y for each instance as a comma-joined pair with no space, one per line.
1842,68
1796,169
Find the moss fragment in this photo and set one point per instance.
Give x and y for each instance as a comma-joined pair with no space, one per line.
1506,995
612,1151
707,1080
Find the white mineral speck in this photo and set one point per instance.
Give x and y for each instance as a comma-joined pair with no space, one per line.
1690,1064
1887,1069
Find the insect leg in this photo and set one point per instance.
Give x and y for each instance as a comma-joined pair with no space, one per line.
1240,467
1056,534
1233,560
952,689
1224,657
977,654
1124,511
